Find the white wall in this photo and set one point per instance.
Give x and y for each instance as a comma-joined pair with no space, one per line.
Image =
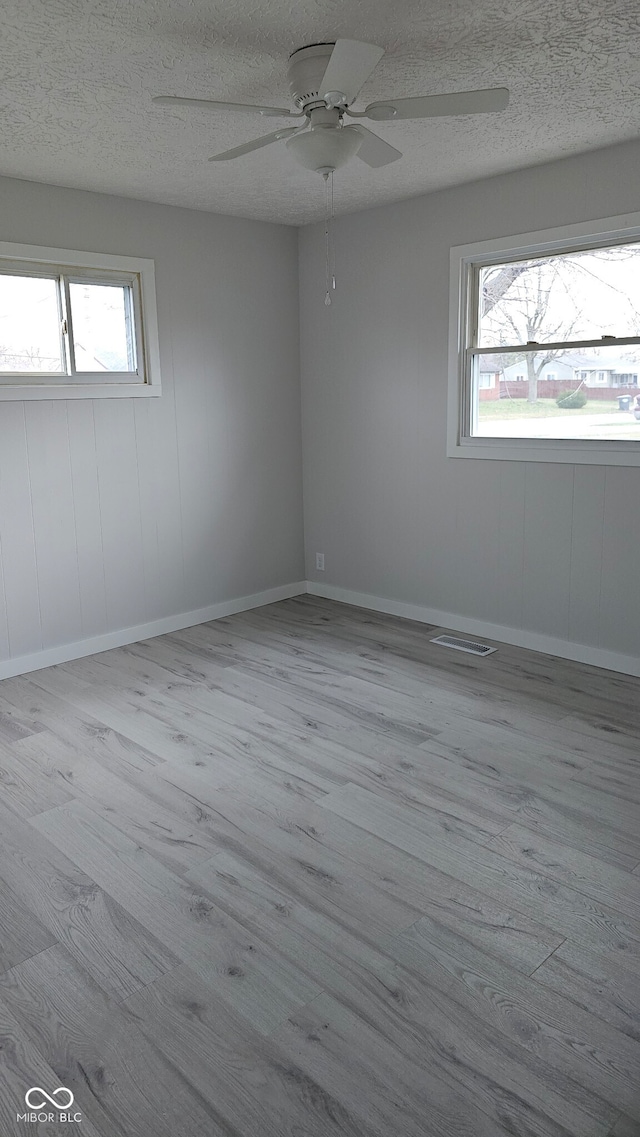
116,513
552,549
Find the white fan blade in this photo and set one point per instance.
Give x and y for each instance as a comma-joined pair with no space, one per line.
349,67
432,106
257,144
373,149
212,104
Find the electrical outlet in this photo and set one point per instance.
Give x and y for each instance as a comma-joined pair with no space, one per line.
320,562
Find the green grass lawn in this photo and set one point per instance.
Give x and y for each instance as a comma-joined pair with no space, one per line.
543,408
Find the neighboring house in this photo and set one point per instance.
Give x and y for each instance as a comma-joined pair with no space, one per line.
489,377
606,372
557,369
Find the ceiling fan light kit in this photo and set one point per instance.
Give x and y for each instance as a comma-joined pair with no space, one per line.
324,80
327,145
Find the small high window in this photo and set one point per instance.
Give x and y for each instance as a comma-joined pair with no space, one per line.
76,325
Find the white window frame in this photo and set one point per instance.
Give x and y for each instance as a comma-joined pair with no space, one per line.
138,274
464,260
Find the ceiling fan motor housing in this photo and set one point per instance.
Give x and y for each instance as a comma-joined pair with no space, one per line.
307,68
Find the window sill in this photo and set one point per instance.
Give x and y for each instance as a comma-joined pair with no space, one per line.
576,451
24,392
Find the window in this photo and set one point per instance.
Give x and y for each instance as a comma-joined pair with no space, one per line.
486,380
567,297
76,325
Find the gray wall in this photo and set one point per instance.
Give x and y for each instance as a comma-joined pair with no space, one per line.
554,549
118,512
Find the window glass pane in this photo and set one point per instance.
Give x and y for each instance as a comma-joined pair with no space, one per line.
576,296
29,324
102,327
585,393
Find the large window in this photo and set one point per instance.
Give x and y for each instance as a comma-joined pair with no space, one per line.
559,318
76,325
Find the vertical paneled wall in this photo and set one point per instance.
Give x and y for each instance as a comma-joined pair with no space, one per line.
552,549
118,512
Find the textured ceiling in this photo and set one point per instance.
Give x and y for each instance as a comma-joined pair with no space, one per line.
77,77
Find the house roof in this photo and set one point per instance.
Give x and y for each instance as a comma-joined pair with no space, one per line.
490,363
573,359
605,362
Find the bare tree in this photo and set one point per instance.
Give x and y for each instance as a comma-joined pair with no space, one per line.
525,309
495,283
28,359
534,302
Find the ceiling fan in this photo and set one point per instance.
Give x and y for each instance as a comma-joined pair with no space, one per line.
324,80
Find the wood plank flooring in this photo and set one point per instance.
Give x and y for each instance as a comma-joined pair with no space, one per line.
301,873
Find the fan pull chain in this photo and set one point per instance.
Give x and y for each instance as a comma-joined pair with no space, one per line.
330,266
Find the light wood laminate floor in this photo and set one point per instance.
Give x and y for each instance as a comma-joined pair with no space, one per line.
301,873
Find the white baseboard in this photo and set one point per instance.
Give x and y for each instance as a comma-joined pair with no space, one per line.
534,641
501,633
62,653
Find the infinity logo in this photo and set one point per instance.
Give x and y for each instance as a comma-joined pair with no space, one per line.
48,1098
